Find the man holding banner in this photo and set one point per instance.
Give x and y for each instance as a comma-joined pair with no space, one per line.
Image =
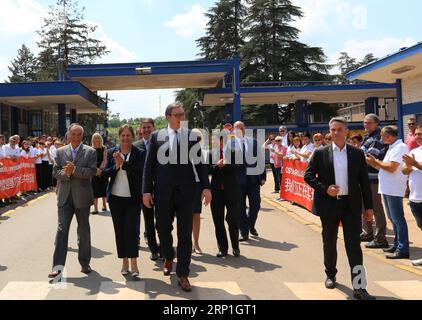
338,173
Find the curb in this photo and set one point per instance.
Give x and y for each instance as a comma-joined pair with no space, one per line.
318,228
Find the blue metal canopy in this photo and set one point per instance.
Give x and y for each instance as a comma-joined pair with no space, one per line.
334,93
152,75
45,94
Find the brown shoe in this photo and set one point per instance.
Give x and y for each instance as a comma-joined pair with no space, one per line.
184,284
54,274
168,267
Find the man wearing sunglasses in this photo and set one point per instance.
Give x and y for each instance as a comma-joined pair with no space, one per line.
411,137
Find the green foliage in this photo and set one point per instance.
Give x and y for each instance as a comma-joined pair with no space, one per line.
65,28
24,66
347,64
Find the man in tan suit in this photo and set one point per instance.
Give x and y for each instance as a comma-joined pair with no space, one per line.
74,167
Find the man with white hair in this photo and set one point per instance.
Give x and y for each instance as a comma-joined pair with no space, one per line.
283,133
74,167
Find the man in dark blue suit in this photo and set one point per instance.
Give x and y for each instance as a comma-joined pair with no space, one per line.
251,177
147,127
169,183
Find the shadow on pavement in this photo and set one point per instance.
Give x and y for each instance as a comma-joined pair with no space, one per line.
349,293
268,244
155,288
3,268
92,283
238,263
95,252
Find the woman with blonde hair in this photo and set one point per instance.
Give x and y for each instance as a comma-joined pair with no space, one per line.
99,182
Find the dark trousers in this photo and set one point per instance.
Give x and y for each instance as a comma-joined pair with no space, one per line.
340,212
149,220
380,218
38,171
276,180
417,212
165,211
248,221
62,237
218,203
49,176
125,217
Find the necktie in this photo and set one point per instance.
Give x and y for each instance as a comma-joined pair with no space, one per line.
221,158
74,152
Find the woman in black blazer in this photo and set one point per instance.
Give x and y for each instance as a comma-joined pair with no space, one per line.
125,164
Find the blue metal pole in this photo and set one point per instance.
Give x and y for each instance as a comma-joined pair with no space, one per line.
229,113
237,104
400,108
62,119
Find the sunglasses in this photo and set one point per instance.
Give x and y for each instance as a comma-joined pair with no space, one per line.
412,124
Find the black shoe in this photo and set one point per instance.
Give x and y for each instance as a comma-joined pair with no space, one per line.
154,256
377,245
362,294
330,283
390,250
398,255
221,254
366,237
236,253
244,238
254,232
86,270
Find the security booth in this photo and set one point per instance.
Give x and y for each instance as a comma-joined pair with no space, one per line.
403,68
34,108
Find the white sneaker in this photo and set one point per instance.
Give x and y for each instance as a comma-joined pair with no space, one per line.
417,263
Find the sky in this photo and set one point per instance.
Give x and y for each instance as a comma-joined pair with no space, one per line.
166,30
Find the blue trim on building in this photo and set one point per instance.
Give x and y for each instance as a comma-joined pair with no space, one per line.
59,88
157,68
412,108
340,87
400,108
149,64
385,61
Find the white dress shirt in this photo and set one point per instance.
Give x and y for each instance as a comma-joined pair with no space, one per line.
341,169
172,135
121,183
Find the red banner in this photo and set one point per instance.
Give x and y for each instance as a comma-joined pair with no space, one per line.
17,176
293,186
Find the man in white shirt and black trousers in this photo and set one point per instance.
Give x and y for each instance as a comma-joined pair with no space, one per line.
338,173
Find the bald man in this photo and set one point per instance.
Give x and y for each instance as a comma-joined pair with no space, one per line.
251,176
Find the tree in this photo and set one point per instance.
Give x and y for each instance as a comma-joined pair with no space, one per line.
66,31
224,39
224,32
348,64
24,66
273,53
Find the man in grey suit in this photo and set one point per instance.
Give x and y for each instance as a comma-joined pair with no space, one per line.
74,167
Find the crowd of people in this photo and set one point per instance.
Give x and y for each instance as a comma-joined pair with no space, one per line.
393,169
132,178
